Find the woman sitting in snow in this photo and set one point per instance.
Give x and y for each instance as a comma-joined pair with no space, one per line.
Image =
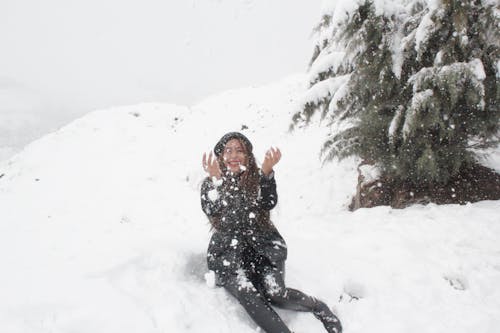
246,252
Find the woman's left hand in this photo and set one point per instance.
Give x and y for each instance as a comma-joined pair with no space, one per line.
273,156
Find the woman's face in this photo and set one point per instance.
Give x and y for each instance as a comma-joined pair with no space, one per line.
235,157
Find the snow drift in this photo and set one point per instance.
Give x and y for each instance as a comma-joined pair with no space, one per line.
101,230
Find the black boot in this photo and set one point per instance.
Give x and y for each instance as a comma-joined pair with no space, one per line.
325,315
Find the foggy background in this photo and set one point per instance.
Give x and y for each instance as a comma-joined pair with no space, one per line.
60,59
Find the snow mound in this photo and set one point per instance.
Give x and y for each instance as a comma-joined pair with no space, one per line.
101,230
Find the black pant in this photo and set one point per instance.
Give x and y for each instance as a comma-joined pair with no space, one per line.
260,283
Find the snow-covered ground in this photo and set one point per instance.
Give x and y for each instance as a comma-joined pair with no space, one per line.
101,231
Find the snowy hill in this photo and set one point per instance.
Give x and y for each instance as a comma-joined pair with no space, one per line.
101,231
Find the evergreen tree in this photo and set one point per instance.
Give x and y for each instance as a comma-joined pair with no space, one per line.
412,86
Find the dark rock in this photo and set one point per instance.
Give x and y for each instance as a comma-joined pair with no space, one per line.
470,185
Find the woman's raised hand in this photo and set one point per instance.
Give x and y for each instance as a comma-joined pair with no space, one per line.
211,165
273,156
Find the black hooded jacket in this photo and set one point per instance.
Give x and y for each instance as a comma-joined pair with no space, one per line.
239,235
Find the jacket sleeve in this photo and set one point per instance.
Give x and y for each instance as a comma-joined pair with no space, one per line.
211,201
268,196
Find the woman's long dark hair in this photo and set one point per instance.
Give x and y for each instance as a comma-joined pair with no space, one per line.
249,184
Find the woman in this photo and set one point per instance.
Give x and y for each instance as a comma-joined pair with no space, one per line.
246,252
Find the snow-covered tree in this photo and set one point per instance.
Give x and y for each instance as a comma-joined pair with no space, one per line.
410,85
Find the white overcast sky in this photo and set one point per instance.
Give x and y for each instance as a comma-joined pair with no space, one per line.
62,58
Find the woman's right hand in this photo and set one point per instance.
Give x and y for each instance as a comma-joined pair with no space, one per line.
211,165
